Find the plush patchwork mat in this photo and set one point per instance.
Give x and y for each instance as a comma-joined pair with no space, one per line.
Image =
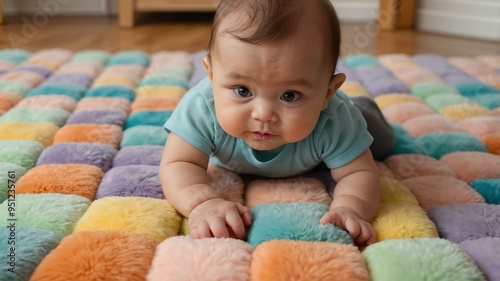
80,199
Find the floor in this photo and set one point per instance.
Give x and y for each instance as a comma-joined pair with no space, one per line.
190,32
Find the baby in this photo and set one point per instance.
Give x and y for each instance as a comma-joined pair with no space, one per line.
269,108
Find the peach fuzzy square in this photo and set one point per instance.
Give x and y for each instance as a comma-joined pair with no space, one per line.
433,123
98,255
384,101
51,101
405,166
8,100
402,112
493,143
312,261
470,166
27,77
93,133
183,258
103,103
154,103
76,179
480,126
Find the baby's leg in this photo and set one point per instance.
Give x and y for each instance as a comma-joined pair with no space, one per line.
383,136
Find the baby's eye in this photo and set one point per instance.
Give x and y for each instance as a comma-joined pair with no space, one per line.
290,96
242,92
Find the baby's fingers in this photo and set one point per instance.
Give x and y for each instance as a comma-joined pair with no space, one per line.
245,214
218,227
235,222
201,230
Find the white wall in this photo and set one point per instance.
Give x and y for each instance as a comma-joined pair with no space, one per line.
348,10
470,18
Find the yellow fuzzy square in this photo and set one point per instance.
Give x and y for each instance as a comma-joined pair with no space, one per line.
459,112
41,132
390,99
160,91
394,191
154,217
351,88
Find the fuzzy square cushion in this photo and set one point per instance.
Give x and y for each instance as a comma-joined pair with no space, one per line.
405,143
93,133
131,181
288,190
229,185
74,91
99,155
481,126
470,166
103,103
115,81
402,112
402,220
293,221
11,173
40,132
154,217
92,56
14,55
154,103
353,88
439,144
8,100
86,68
183,258
60,102
27,77
36,115
77,179
469,89
490,101
153,118
17,88
55,212
425,90
394,191
23,153
390,99
69,79
161,91
485,252
466,221
462,111
438,102
42,71
420,259
129,57
111,117
405,166
98,255
313,261
133,71
139,155
383,170
433,191
112,91
144,135
359,60
431,123
31,246
164,81
489,189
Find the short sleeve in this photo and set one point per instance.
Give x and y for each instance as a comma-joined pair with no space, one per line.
344,135
193,121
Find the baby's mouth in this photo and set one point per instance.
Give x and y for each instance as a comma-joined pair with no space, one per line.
262,135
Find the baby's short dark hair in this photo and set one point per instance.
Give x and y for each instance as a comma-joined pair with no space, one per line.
275,21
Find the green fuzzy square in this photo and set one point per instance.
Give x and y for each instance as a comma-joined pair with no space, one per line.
23,153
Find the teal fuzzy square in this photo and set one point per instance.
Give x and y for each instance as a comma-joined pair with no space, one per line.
293,221
430,259
438,102
405,143
164,80
15,56
31,246
144,135
355,61
111,91
12,172
23,153
151,118
439,144
490,101
130,57
425,90
74,91
94,56
489,189
58,213
174,72
55,116
471,89
14,87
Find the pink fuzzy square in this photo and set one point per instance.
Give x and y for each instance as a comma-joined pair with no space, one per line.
470,166
433,191
183,258
480,126
383,170
402,112
405,166
288,190
50,101
228,184
427,124
103,103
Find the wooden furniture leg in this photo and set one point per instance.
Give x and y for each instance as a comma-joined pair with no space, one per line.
395,14
406,15
1,12
126,13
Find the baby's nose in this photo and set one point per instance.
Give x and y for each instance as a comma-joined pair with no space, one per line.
264,112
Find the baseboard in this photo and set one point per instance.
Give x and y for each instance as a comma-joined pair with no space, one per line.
473,19
356,11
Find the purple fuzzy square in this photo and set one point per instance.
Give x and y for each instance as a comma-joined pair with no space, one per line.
133,180
100,155
462,222
42,71
139,155
486,253
74,79
112,117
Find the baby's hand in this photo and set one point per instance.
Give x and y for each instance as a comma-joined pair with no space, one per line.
218,218
360,230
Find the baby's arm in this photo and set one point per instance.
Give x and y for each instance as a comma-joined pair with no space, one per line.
185,182
356,198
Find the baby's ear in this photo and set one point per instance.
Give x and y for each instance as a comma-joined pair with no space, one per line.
335,82
207,63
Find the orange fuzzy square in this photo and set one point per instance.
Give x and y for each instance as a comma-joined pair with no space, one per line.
154,103
98,255
8,100
493,143
311,261
93,133
76,179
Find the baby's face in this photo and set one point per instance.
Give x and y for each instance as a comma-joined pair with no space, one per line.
271,94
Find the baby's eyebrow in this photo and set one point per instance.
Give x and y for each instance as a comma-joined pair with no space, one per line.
297,82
